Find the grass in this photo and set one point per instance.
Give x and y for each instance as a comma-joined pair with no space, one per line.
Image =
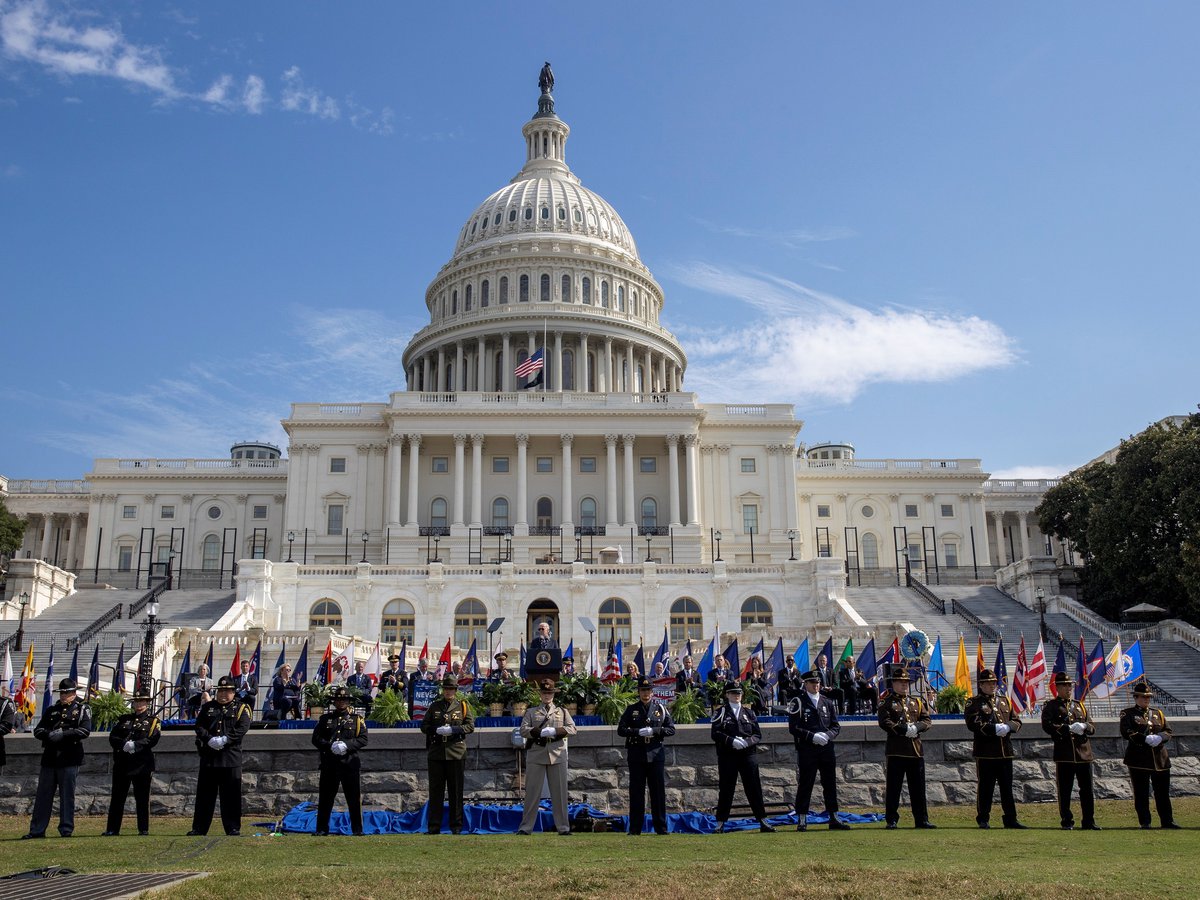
958,860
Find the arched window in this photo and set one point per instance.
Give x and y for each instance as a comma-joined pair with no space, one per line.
485,293
503,289
545,512
587,513
437,512
211,559
649,513
756,611
604,294
325,614
468,297
524,289
586,287
470,623
454,303
399,623
621,297
544,288
686,620
500,512
614,619
870,551
566,289
568,367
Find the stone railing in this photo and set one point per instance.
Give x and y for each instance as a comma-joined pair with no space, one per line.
890,465
50,486
271,467
1019,485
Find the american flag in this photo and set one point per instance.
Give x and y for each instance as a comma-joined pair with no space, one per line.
531,365
1020,691
1035,677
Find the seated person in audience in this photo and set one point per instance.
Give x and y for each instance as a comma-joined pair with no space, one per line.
200,690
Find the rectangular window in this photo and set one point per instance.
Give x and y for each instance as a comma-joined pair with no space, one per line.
750,518
440,464
168,512
748,465
260,512
947,510
125,559
545,463
334,518
587,464
337,465
649,464
128,512
822,511
910,510
950,552
914,555
499,464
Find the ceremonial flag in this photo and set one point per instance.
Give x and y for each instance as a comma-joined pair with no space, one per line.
1001,668
936,670
801,656
827,652
570,652
256,659
1020,693
346,658
443,665
374,667
758,651
640,661
619,653
1081,672
962,670
522,649
775,663
279,663
1035,677
301,672
94,672
471,663
325,669
47,697
662,654
731,656
1060,664
706,662
866,661
425,651
26,696
1112,666
10,683
208,659
980,665
1095,668
532,364
74,675
235,667
612,671
119,672
1131,665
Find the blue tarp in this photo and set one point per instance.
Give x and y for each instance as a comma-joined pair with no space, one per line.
494,819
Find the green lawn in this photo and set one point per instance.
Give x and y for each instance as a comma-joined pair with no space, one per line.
956,861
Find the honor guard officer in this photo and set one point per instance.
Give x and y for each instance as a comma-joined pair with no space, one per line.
1147,731
220,726
904,718
447,723
61,730
644,725
546,728
132,739
339,735
990,718
736,733
813,722
394,678
1069,725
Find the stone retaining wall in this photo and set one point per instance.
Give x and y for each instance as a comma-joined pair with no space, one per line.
280,768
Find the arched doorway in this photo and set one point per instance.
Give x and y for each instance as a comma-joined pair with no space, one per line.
543,610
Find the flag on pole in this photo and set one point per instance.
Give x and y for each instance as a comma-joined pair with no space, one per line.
74,675
640,661
531,364
1060,663
801,656
1081,672
346,658
325,669
521,646
706,662
47,697
758,652
119,671
235,667
775,664
26,696
1095,669
1112,666
847,654
10,683
1020,692
731,656
301,671
612,670
866,661
256,660
827,652
93,689
1131,665
281,661
425,651
1001,668
374,667
1035,677
470,667
661,655
208,659
962,670
568,654
443,665
980,665
404,652
936,670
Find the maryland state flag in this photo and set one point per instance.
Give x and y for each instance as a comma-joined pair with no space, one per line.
26,699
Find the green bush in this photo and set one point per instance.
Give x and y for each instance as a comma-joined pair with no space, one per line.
106,709
388,709
477,704
611,706
951,699
687,707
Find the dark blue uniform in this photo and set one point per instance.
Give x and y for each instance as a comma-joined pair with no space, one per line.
340,770
733,763
805,723
647,766
133,768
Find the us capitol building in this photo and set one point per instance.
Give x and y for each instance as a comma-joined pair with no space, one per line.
604,490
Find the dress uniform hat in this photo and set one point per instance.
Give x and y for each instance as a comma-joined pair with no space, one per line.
1141,689
502,655
733,687
811,675
899,673
449,681
67,684
645,684
986,675
395,657
225,682
339,692
142,694
1062,678
546,684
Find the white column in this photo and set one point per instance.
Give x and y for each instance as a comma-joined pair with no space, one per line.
567,518
662,372
476,480
610,493
360,481
480,362
648,384
693,464
630,512
414,467
606,369
460,441
581,380
442,385
507,367
76,521
630,369
673,476
47,529
425,386
773,493
458,366
558,356
998,519
395,457
1022,519
522,523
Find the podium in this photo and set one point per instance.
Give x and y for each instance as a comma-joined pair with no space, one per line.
544,663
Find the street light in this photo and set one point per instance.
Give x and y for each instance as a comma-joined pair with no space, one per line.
146,669
792,543
649,558
1041,608
436,541
291,540
508,548
365,537
23,600
717,538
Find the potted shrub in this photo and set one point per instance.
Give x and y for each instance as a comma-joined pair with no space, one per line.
315,697
493,698
388,709
612,705
590,691
951,699
569,693
106,709
519,694
474,701
687,707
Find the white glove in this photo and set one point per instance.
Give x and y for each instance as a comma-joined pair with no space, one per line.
1002,729
739,743
820,738
911,731
445,730
646,732
1153,740
339,748
549,731
216,743
1078,728
129,747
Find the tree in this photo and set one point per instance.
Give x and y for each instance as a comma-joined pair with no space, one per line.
12,531
1136,521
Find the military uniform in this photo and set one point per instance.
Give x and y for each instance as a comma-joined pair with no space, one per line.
339,735
737,736
647,764
814,727
546,759
1147,759
904,718
447,753
62,730
220,728
394,679
132,740
990,719
1072,754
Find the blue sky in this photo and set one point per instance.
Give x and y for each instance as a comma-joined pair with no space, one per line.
938,229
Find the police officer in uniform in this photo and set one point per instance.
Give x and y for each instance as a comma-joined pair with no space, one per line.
132,739
644,725
447,723
1069,725
61,730
220,726
736,733
813,722
904,718
1147,731
394,678
546,728
990,718
339,735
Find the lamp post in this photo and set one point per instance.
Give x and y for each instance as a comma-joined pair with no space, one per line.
649,558
365,537
436,541
146,669
717,538
792,544
1041,608
508,548
291,540
23,601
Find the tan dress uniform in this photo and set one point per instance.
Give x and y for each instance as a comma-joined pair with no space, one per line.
546,760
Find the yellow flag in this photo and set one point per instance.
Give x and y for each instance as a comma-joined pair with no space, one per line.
962,671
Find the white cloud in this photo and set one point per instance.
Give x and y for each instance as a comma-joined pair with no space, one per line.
254,95
1031,473
812,347
794,238
367,120
219,90
298,97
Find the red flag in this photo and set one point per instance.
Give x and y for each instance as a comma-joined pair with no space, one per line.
325,670
980,665
1020,690
612,672
1035,676
236,667
443,665
424,650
